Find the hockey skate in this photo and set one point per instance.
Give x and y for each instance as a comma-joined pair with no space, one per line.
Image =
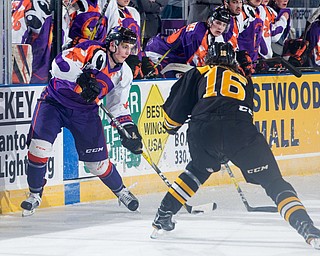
30,204
310,233
162,222
128,199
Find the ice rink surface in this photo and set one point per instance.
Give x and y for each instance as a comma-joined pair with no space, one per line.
104,228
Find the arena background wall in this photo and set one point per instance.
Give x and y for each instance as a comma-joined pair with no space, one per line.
287,112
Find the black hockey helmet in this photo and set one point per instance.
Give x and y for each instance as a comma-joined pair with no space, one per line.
220,53
121,34
219,13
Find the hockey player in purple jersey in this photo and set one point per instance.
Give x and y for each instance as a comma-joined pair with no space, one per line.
250,37
81,18
81,77
280,31
189,45
235,8
220,105
313,36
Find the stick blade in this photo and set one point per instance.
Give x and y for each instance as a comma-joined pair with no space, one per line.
200,209
296,72
262,209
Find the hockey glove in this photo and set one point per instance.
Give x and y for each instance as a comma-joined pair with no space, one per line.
134,143
297,50
135,64
89,85
148,68
245,62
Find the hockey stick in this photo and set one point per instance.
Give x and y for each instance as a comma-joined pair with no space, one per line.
296,72
96,27
243,198
309,69
176,67
162,58
190,209
180,67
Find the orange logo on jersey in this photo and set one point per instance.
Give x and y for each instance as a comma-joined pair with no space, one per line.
19,14
126,105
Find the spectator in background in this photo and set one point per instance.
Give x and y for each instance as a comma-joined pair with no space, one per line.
313,36
281,31
173,10
200,9
32,24
150,17
250,37
268,15
120,13
235,8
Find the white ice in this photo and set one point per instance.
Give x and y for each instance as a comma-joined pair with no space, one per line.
104,228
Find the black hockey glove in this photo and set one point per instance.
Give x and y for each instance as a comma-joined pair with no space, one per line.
135,64
245,62
147,67
133,144
297,51
89,85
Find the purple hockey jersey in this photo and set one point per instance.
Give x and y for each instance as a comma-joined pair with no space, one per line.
90,55
189,45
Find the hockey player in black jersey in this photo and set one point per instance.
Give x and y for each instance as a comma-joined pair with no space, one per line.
219,99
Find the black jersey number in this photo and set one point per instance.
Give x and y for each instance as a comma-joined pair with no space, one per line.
231,84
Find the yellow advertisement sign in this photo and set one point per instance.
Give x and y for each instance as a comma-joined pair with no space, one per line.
287,112
151,124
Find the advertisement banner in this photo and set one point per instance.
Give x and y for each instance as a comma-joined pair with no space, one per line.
287,113
16,110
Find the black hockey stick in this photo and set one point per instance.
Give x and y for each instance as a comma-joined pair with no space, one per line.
96,27
243,198
309,69
189,208
295,71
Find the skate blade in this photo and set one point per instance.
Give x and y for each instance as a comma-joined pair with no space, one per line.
121,204
159,233
26,213
156,233
315,243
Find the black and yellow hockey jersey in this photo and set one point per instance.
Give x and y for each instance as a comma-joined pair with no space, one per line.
209,89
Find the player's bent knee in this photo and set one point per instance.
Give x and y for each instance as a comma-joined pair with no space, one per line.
276,187
201,176
98,168
40,149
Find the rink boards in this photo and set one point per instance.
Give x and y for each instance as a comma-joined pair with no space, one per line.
287,112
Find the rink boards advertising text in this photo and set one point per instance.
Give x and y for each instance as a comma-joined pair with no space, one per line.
286,112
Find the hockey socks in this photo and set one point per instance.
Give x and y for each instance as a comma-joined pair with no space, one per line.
112,179
184,187
36,176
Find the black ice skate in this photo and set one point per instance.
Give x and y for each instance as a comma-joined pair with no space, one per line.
128,199
162,221
30,204
310,233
